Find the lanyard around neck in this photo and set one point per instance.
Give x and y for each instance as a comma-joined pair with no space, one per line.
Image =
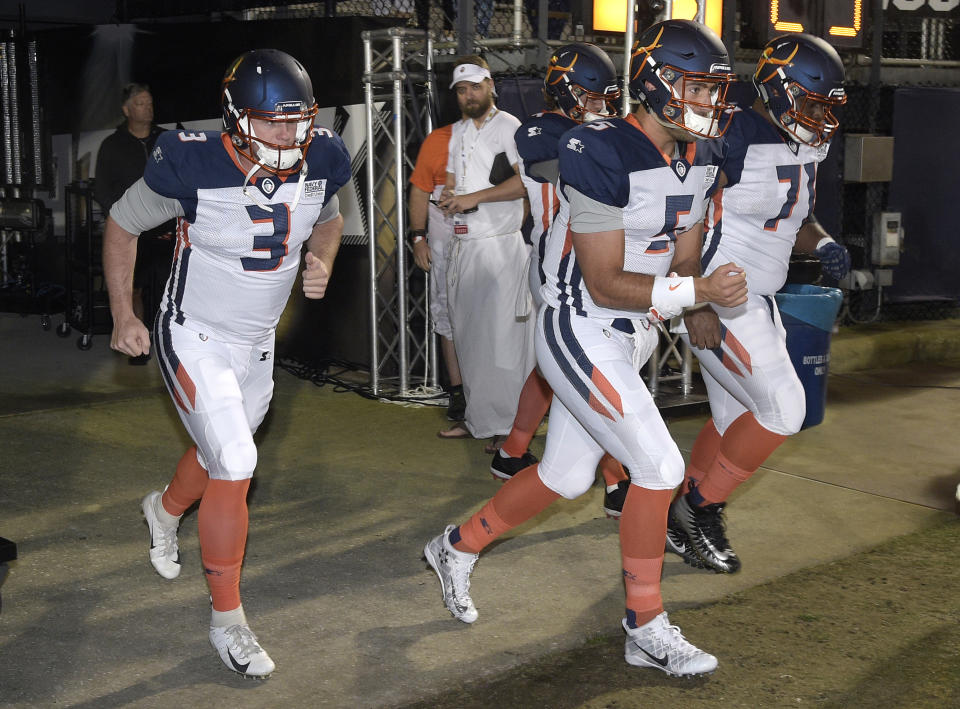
465,154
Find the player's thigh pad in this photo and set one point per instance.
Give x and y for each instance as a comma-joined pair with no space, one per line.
752,365
206,390
571,456
589,365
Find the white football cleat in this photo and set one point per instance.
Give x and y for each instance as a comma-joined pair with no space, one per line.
454,568
240,651
661,645
164,550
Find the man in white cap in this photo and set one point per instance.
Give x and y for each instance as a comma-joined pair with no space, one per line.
486,270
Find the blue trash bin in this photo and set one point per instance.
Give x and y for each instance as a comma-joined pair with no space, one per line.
808,313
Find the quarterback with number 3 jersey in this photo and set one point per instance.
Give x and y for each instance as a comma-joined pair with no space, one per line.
763,213
246,202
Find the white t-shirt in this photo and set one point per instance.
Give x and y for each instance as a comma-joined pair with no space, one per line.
471,156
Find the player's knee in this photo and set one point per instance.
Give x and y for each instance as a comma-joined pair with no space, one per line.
672,468
574,481
787,416
238,459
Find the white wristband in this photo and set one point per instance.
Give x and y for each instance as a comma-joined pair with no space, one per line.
670,295
823,242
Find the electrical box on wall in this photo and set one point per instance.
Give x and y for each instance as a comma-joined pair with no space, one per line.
887,238
867,158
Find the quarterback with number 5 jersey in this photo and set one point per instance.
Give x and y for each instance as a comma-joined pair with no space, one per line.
247,201
763,213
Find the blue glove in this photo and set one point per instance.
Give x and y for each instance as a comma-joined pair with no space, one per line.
834,259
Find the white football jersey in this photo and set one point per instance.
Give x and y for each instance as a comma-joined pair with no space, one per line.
771,190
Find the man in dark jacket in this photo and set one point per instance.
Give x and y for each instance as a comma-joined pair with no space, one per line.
120,162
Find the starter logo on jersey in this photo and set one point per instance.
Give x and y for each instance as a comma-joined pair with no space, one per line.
710,176
533,131
157,154
268,185
575,145
315,189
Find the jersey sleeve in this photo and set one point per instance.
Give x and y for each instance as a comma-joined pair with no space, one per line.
592,165
169,164
736,141
328,158
536,143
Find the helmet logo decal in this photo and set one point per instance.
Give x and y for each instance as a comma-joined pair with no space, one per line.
646,52
766,58
561,70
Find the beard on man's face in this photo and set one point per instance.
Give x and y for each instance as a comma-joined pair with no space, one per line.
477,108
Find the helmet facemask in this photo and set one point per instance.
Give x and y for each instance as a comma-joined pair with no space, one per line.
809,119
279,158
581,113
705,117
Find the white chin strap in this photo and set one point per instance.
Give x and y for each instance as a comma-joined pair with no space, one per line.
255,196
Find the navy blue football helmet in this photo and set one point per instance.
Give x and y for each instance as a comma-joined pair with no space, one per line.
800,79
269,85
579,73
680,72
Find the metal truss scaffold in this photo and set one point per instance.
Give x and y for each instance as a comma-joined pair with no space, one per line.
400,99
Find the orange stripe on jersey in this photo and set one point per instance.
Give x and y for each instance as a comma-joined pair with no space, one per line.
606,388
567,243
186,383
731,364
691,151
717,200
545,195
738,350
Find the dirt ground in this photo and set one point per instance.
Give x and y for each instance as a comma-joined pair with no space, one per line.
879,629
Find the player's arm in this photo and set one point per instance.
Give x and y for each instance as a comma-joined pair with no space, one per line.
702,323
322,247
600,255
813,239
417,210
138,210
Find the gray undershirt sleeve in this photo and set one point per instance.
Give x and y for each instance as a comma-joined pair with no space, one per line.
141,209
588,216
548,170
331,211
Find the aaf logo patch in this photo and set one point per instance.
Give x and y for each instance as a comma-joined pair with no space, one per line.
710,175
315,189
268,185
575,145
533,131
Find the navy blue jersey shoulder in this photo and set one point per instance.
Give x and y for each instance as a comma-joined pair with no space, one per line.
328,158
538,137
592,160
183,162
747,128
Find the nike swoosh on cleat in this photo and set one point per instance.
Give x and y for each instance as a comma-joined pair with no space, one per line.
242,669
662,661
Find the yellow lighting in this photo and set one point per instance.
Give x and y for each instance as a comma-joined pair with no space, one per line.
839,30
610,15
687,10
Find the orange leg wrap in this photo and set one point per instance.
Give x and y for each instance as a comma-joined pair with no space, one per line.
187,485
744,447
643,530
533,405
611,470
222,523
523,496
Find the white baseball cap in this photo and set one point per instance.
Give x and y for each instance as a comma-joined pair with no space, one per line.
469,72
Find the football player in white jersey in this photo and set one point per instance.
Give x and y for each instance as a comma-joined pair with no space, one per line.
632,197
762,214
580,85
247,201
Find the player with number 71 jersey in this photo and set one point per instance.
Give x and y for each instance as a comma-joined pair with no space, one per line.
235,236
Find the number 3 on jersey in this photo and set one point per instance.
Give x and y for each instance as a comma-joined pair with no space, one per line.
275,243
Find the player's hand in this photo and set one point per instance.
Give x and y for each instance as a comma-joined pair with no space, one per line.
130,336
315,277
703,327
726,286
421,254
834,259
